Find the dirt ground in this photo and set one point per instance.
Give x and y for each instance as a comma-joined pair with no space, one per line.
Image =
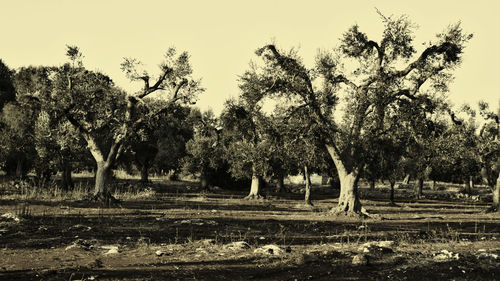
180,234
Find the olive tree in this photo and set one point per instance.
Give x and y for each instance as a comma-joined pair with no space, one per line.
385,72
489,147
105,116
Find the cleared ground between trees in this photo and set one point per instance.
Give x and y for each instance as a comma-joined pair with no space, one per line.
171,231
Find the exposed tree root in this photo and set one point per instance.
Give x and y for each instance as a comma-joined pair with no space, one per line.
253,197
106,199
393,204
342,211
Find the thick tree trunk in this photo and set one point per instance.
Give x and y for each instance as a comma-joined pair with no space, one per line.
280,186
372,185
307,196
349,203
101,176
434,185
391,195
145,173
203,181
467,186
255,186
67,180
471,182
419,188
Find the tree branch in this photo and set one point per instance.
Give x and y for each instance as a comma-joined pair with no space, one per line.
446,48
178,88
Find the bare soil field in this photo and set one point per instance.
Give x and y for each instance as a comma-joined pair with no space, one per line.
173,232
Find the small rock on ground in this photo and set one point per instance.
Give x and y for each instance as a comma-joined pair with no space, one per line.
360,259
446,255
237,246
11,216
270,250
112,249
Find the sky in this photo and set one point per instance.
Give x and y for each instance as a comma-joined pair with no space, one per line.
222,35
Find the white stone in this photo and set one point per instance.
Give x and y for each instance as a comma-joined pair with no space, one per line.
237,246
270,250
112,249
11,216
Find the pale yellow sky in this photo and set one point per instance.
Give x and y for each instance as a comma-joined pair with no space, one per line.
221,36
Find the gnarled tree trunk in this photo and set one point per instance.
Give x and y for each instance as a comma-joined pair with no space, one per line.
255,186
349,203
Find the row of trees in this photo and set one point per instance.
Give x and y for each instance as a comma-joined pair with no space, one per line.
367,109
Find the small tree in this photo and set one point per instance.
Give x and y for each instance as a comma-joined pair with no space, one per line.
204,152
247,146
160,142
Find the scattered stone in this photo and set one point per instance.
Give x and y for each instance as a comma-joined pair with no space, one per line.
360,259
386,244
80,227
446,255
197,222
42,228
483,254
237,246
112,249
162,252
83,244
382,247
11,216
270,250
